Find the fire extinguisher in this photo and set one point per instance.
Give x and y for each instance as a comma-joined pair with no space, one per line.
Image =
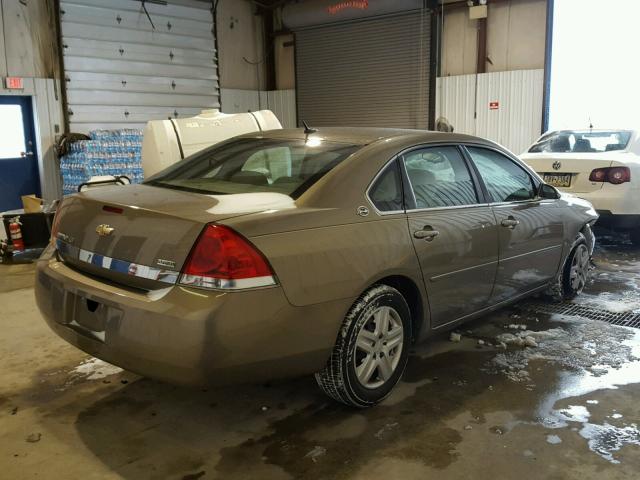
16,234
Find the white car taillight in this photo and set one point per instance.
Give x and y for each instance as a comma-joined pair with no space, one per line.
614,175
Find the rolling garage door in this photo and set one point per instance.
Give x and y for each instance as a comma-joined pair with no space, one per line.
124,68
372,72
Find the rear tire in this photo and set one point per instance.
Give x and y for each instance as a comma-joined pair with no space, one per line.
371,350
576,270
635,237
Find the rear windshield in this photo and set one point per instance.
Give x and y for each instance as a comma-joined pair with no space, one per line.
582,141
248,165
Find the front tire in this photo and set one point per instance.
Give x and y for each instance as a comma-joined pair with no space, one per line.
371,350
576,271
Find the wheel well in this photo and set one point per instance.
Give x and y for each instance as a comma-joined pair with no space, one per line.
590,238
411,293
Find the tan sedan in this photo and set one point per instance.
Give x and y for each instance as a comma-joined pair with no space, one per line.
288,253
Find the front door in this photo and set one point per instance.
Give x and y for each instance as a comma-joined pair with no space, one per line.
531,229
455,235
18,161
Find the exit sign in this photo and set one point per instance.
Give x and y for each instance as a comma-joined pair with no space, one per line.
14,83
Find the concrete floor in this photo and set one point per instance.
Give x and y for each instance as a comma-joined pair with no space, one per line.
567,409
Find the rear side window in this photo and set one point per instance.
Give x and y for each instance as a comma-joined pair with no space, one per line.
386,192
249,165
439,177
505,180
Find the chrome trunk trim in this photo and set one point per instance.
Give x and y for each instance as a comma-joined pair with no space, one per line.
115,265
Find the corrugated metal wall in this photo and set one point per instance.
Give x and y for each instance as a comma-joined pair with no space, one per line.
517,120
372,72
121,72
281,102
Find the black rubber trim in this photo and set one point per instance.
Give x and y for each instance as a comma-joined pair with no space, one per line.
175,130
256,120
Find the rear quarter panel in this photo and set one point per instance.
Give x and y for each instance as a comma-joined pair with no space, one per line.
336,262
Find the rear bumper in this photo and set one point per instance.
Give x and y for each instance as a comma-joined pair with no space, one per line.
618,222
188,336
616,199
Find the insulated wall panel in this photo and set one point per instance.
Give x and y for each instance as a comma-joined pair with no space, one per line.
123,69
505,107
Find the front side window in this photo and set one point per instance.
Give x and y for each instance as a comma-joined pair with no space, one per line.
386,192
439,177
249,165
505,180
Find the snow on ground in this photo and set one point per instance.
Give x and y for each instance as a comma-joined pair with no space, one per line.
614,302
94,369
575,343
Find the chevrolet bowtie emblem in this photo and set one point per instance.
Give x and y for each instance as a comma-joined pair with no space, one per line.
104,230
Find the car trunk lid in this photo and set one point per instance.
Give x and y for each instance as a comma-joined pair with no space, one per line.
141,235
555,168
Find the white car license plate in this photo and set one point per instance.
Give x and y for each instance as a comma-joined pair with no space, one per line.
558,179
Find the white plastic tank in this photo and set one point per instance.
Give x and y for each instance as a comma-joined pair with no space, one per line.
166,142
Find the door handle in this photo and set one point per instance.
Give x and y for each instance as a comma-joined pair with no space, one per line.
427,233
510,222
26,154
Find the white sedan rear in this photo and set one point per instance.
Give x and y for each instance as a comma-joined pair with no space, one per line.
601,166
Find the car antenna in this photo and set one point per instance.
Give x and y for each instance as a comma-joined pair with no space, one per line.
307,129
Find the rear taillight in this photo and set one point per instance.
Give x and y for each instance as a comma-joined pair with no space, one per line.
615,175
223,259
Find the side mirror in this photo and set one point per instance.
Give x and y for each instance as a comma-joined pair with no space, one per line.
548,192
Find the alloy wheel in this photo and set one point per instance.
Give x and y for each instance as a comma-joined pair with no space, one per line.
378,347
579,268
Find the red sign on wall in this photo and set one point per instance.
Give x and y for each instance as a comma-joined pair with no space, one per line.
494,105
356,4
14,83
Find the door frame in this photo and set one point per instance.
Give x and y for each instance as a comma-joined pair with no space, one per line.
28,106
46,109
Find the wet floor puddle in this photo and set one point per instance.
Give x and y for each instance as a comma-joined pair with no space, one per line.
576,389
553,387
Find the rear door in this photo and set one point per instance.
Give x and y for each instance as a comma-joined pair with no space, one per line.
454,232
531,229
18,161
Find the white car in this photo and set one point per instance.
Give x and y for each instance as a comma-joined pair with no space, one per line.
601,166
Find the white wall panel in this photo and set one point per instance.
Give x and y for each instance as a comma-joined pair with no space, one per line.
465,101
281,102
122,72
48,117
455,100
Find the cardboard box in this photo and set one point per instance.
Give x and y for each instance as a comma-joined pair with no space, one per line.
31,204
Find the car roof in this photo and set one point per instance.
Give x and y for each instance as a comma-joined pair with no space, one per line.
368,135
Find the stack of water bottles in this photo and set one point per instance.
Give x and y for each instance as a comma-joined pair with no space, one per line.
109,152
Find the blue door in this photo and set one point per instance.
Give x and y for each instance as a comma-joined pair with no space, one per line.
18,160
